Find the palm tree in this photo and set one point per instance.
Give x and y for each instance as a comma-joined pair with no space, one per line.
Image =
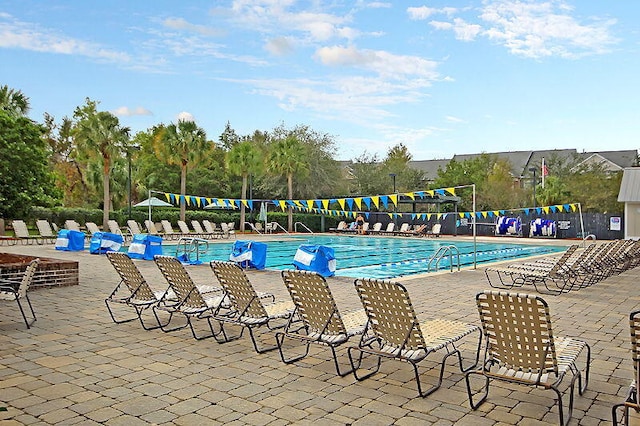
181,144
242,160
14,102
287,158
100,134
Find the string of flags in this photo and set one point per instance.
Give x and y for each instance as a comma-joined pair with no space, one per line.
351,207
347,204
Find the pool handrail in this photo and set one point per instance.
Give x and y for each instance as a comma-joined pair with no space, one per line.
276,225
588,237
253,227
442,252
295,227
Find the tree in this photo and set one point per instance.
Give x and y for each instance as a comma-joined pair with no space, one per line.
503,191
26,179
244,159
13,102
471,171
182,144
287,157
100,136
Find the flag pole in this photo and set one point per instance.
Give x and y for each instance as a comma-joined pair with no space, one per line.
544,172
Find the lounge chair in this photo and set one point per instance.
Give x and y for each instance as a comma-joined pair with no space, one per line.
513,276
17,289
419,230
389,230
134,228
22,232
435,230
184,229
46,231
198,228
115,228
72,225
92,227
212,229
394,332
190,301
168,230
134,292
316,318
404,229
521,348
247,309
151,228
365,228
342,226
632,401
377,227
227,230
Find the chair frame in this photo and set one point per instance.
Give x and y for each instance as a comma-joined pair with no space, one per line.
246,307
519,340
632,400
394,332
189,300
16,290
316,318
140,296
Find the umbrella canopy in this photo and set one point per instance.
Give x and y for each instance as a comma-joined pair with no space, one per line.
219,204
153,202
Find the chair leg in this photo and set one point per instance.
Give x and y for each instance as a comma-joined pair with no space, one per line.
470,393
26,321
355,366
258,349
113,317
564,421
280,338
33,314
337,365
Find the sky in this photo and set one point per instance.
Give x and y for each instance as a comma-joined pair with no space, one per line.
441,77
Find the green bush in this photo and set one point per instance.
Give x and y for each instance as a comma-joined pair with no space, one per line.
59,215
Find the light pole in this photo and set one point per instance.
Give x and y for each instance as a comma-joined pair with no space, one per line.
134,148
535,182
395,205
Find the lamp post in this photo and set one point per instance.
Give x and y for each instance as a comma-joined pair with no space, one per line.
395,205
130,148
535,182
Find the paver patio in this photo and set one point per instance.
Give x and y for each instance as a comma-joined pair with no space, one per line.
75,366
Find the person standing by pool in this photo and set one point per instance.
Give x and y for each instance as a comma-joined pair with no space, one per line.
360,225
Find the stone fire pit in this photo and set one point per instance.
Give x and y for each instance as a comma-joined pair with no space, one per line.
50,273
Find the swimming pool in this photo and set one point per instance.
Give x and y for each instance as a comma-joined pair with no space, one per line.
379,257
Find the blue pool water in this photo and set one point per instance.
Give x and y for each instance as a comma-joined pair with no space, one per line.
379,257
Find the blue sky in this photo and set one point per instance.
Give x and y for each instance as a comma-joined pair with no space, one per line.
442,77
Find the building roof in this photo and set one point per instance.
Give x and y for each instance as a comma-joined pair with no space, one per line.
630,186
429,168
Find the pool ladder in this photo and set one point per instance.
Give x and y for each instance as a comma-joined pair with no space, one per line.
443,252
190,245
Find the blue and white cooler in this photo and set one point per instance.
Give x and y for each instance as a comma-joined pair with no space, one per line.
316,258
69,240
102,242
144,246
249,254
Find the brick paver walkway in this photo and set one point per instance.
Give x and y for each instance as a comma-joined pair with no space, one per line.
75,366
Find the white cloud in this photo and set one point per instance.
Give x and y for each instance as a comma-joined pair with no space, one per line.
535,29
125,111
28,36
279,46
185,116
452,119
382,62
422,12
182,25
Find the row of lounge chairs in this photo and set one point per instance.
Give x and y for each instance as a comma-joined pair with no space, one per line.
405,229
47,232
574,269
387,327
